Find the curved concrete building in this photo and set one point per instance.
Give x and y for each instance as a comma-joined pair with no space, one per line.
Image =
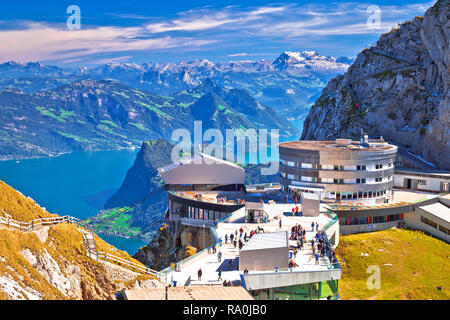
340,170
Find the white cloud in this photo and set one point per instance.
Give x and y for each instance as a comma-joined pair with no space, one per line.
40,42
197,28
243,54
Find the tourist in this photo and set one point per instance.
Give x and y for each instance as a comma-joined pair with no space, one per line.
199,274
225,283
312,226
234,243
230,265
219,256
229,283
220,275
245,270
317,258
317,227
241,244
231,237
280,222
226,238
214,248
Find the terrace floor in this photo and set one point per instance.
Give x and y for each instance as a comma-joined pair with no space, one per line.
210,265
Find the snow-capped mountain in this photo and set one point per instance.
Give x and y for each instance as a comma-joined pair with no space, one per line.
290,80
309,61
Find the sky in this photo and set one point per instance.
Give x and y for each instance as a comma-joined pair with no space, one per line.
183,30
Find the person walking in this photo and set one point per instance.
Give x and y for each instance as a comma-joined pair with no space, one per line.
226,238
219,256
312,226
317,258
234,243
231,238
199,274
220,275
280,222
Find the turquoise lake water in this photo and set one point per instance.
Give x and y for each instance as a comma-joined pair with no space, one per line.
75,184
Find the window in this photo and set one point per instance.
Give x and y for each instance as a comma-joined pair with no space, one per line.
423,182
378,179
361,167
443,229
428,222
361,180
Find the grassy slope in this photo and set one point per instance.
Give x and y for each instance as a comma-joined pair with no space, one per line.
420,264
64,243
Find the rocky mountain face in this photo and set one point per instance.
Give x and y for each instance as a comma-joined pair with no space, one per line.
398,88
51,262
106,115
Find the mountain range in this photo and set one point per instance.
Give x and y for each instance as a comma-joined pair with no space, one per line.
107,114
289,80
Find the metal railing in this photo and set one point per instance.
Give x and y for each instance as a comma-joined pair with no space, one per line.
99,255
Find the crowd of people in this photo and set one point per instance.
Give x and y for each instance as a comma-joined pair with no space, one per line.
320,246
240,236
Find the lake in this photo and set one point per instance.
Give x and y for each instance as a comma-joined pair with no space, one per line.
76,184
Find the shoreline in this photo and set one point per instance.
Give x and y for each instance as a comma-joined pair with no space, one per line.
7,158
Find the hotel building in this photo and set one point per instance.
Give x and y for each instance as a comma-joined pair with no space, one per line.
339,170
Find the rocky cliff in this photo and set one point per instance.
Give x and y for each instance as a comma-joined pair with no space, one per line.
398,88
137,208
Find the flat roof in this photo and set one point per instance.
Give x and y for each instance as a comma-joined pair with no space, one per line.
189,293
439,210
269,240
328,145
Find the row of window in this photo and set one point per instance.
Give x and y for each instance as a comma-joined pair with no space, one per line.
335,181
318,166
356,195
199,213
370,220
434,225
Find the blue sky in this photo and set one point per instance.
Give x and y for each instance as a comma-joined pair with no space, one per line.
171,31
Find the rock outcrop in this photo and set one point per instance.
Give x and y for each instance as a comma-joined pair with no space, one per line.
398,88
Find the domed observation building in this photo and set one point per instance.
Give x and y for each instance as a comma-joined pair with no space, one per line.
339,170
